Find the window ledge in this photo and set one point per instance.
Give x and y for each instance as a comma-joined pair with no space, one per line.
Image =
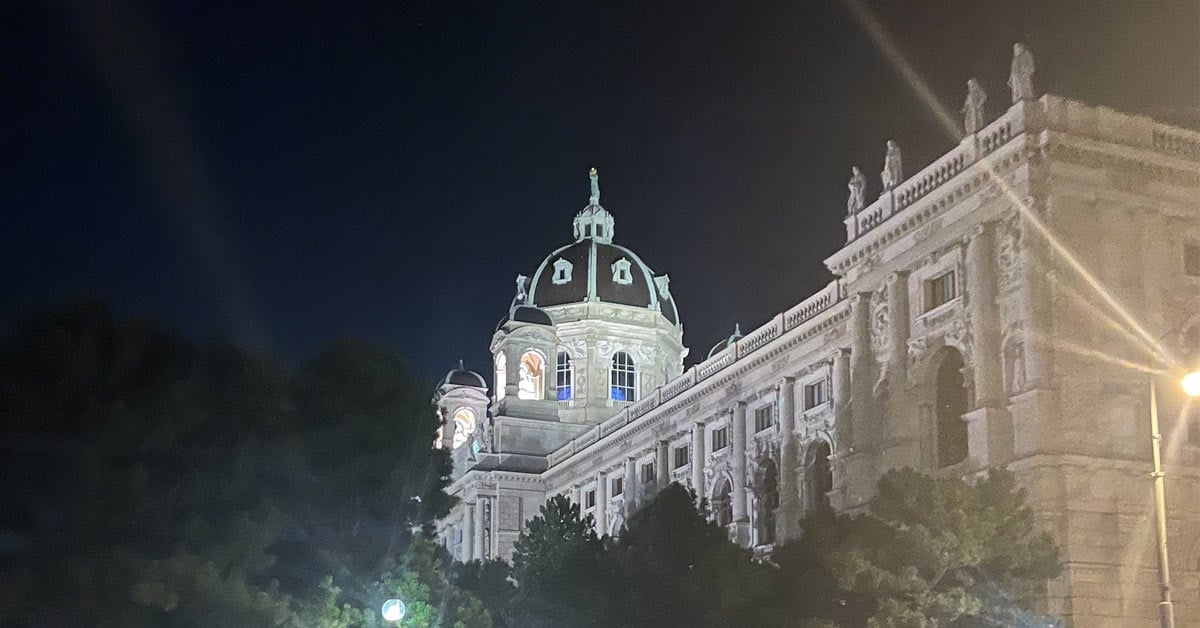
941,309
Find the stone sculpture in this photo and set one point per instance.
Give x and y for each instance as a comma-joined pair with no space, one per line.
1020,78
858,188
893,168
973,107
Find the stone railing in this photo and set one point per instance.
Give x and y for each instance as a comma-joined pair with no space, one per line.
828,297
932,177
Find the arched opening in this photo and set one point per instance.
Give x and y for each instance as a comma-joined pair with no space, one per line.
501,374
563,376
723,503
951,404
818,476
464,426
623,380
529,386
768,501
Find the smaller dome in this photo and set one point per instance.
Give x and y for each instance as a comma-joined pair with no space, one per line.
528,314
726,343
462,377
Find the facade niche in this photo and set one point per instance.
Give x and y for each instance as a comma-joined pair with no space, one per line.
768,501
951,404
818,476
723,503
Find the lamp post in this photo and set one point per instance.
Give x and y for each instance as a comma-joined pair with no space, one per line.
1166,611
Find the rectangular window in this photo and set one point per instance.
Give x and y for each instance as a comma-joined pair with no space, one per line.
764,417
618,485
681,456
1191,260
562,376
941,290
589,499
815,394
648,473
720,439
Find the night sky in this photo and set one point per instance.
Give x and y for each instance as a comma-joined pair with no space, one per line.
287,173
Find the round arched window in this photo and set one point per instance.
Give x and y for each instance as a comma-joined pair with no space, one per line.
532,369
464,425
501,374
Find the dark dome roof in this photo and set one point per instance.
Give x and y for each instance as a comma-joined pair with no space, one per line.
594,266
527,314
726,343
462,377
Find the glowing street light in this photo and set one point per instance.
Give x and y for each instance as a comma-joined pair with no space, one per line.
393,610
1166,612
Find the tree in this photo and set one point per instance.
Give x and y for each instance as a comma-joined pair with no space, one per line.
678,568
931,552
151,481
563,574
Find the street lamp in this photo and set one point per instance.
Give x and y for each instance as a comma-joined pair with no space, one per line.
1166,612
393,610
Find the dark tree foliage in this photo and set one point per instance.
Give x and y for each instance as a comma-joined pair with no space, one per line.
931,552
149,481
564,574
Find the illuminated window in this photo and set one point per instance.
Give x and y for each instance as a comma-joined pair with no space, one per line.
815,394
681,456
621,274
562,272
720,439
464,425
563,376
940,290
501,375
623,377
530,384
764,417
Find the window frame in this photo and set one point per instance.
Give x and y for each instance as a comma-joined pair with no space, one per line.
559,372
627,373
941,289
764,417
813,400
617,486
686,457
720,434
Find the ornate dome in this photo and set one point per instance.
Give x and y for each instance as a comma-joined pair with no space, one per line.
462,377
594,269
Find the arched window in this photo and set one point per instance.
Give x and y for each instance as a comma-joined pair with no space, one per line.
532,369
723,504
951,400
501,374
464,425
624,377
768,502
818,476
563,376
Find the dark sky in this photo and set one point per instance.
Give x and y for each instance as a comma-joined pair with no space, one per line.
286,173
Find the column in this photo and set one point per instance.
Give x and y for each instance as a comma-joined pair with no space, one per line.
477,541
989,429
468,536
855,460
841,384
664,459
601,503
902,434
577,496
741,519
861,371
629,496
788,517
699,455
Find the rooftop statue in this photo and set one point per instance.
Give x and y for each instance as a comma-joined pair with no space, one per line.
973,116
1020,78
595,199
858,188
522,282
893,167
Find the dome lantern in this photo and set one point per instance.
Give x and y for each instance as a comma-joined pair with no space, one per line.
594,222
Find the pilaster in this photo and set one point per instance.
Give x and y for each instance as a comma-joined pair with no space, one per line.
741,517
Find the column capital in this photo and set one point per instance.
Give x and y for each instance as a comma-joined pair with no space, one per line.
840,352
859,298
896,276
787,379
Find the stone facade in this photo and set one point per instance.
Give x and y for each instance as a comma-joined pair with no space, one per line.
1003,306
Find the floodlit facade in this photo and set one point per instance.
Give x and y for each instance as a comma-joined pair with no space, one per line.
1000,307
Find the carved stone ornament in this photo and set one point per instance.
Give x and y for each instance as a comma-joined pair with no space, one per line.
1008,268
879,323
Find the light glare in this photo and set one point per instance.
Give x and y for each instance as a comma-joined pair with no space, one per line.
1191,384
393,610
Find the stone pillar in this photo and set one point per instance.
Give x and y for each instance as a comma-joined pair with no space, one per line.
841,384
448,427
629,496
577,496
477,541
855,449
468,538
741,518
989,430
601,503
1035,419
664,459
699,455
902,438
788,517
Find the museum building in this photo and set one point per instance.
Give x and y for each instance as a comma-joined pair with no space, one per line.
1005,306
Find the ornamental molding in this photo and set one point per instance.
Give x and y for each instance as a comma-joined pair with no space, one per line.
1175,173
